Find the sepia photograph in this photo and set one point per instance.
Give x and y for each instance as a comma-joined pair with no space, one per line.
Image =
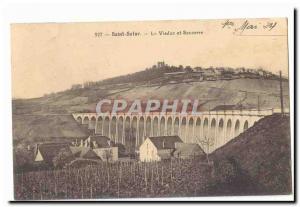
151,109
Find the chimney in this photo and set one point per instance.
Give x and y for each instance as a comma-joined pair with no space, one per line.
36,148
94,144
109,142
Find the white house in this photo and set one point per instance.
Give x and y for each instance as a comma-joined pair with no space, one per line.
158,148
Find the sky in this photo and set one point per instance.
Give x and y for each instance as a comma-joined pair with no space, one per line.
51,57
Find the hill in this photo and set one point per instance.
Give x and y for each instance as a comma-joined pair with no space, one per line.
28,129
213,86
240,92
258,161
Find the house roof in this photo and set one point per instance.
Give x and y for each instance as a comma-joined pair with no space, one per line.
188,149
76,150
175,73
224,107
165,142
102,141
83,152
50,150
165,153
87,152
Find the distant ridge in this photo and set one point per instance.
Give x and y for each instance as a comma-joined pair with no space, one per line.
163,73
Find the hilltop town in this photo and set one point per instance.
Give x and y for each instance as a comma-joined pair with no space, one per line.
162,73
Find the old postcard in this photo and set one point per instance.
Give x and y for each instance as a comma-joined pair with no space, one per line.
151,109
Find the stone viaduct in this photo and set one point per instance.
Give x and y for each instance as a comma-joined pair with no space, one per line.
219,126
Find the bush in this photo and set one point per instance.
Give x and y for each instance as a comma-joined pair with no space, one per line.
64,156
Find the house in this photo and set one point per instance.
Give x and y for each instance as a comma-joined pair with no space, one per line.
224,107
178,74
96,141
96,147
103,154
187,150
107,154
158,148
46,152
84,152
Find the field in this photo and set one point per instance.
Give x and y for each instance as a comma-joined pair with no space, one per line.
119,180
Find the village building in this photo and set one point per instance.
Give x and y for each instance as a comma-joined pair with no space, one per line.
187,150
46,152
84,153
92,141
109,154
224,107
96,147
168,147
174,75
96,141
158,148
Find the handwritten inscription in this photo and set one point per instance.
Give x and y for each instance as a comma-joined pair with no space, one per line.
248,26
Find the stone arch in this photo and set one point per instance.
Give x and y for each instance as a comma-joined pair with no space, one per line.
212,134
237,128
99,125
220,136
134,128
197,131
205,128
127,134
106,126
169,126
141,130
246,125
183,129
176,126
190,131
92,123
228,129
162,126
155,126
79,119
113,128
86,120
148,126
120,126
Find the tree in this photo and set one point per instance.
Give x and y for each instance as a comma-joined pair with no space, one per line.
22,158
64,156
207,143
188,69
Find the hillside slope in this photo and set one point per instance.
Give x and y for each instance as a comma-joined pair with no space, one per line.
214,93
209,93
39,128
258,161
